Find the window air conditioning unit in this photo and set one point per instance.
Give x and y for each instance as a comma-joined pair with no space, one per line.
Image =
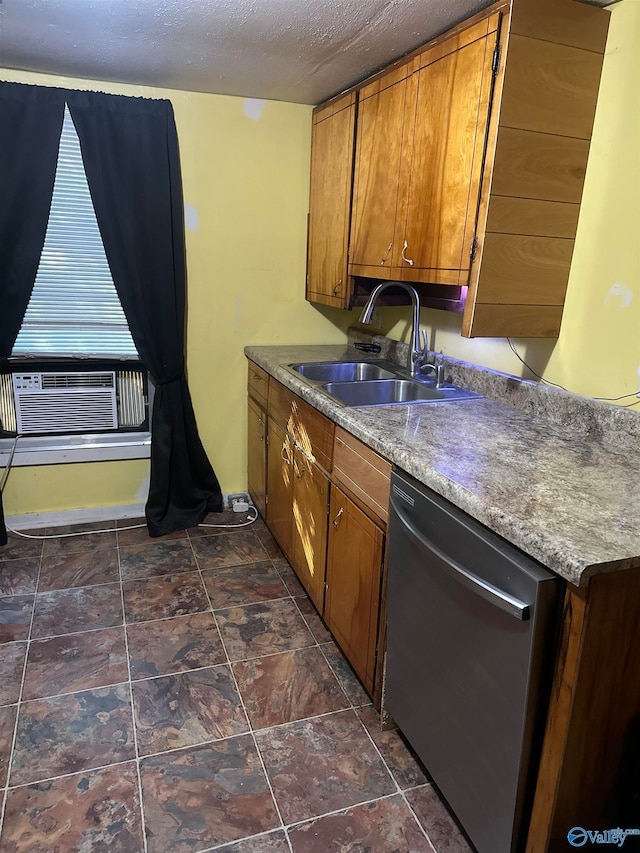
56,401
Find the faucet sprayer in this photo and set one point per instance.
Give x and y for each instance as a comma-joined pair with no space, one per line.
417,348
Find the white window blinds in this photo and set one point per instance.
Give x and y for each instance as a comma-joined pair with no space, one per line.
74,309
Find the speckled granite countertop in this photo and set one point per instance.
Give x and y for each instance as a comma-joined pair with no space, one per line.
570,498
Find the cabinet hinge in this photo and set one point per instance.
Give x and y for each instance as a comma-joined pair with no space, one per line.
495,63
266,499
474,248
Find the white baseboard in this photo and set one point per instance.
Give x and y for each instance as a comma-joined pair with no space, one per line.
81,516
74,516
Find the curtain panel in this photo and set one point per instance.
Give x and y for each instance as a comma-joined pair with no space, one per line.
130,153
30,127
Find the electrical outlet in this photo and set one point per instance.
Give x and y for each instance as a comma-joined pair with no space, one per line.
238,501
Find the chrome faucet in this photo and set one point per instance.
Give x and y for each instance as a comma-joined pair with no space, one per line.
417,349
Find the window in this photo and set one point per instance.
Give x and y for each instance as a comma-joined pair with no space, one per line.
74,309
74,313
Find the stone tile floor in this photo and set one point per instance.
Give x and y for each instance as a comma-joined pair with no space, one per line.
182,694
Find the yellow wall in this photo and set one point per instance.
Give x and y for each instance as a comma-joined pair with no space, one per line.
90,484
598,351
245,168
245,172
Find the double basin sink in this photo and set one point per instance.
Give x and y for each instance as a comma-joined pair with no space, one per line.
376,383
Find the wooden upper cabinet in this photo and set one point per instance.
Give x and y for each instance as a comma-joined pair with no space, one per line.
470,162
377,180
446,154
330,202
419,152
535,164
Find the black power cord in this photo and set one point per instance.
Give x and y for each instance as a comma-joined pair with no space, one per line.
557,385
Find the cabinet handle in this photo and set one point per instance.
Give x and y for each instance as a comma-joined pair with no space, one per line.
260,429
337,288
386,254
285,454
257,377
407,260
336,520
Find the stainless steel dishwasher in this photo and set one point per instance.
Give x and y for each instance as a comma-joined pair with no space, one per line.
472,625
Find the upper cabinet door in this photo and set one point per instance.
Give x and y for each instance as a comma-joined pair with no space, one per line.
381,118
451,116
332,144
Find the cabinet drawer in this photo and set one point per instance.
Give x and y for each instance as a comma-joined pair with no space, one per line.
310,430
362,472
258,384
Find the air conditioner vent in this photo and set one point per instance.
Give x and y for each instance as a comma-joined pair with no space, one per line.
78,380
7,406
53,403
52,400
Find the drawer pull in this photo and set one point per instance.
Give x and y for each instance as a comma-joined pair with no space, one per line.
336,520
257,377
405,259
337,288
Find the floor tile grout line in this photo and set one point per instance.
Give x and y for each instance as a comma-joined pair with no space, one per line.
74,633
210,742
295,824
133,709
136,680
399,790
244,710
76,588
317,645
333,643
259,835
208,597
417,820
312,717
98,767
251,603
47,698
262,764
20,692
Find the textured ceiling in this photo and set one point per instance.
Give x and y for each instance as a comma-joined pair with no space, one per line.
292,50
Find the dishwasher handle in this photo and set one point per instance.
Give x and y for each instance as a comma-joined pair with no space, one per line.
498,597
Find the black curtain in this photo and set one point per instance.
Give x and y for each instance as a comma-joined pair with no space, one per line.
30,127
130,153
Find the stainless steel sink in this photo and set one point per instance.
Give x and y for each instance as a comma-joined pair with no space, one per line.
374,383
386,392
341,371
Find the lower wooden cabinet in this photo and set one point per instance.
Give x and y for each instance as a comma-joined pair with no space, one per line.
257,456
280,486
309,516
330,528
353,584
297,510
